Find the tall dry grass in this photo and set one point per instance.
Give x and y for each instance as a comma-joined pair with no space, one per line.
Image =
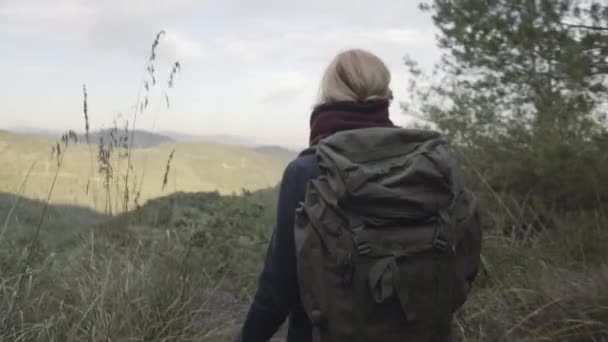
182,276
121,184
20,302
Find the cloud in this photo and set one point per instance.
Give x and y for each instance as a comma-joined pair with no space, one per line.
254,63
364,13
127,22
289,78
250,32
313,45
181,46
44,10
284,87
247,50
124,26
70,9
59,21
148,6
281,96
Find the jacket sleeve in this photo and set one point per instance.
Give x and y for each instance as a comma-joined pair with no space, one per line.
277,289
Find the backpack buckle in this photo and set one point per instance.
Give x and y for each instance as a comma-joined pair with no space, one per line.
364,248
440,244
362,241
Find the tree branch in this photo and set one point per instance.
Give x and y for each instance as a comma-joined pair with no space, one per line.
586,27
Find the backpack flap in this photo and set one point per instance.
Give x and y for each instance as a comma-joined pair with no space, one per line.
396,175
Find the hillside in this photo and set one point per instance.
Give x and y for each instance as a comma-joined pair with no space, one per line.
194,167
277,152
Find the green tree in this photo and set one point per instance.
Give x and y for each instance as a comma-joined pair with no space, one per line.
523,89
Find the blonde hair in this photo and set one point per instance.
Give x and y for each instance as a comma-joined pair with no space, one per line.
355,76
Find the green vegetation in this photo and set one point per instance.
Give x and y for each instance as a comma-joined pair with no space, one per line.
523,89
177,269
183,268
522,95
521,101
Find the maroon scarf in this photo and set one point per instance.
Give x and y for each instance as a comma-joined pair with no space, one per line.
328,119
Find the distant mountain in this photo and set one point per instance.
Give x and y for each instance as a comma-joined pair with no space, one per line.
40,132
195,167
224,139
141,139
147,139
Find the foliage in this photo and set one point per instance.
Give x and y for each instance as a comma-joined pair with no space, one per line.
184,267
521,92
545,289
522,89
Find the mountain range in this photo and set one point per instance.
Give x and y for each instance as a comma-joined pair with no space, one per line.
194,166
147,139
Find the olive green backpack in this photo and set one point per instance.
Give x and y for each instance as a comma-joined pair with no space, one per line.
387,239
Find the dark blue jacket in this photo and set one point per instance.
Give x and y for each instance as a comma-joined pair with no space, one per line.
277,296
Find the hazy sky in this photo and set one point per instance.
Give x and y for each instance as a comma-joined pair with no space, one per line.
250,68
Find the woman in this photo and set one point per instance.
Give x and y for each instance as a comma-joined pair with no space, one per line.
354,93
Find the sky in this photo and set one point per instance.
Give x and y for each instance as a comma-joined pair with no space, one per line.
249,68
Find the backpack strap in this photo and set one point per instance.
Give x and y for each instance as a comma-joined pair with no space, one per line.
318,318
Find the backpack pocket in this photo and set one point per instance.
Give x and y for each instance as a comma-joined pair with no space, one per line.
415,282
